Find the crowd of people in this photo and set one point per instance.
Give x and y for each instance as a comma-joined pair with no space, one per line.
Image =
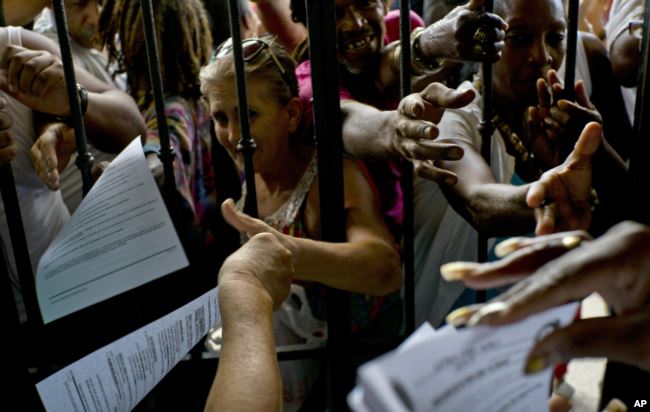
558,167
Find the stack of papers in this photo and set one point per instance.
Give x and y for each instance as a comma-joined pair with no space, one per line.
120,237
473,369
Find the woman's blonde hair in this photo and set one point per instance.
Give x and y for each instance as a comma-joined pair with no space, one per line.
282,80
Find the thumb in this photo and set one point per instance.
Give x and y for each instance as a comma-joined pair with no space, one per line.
241,221
620,338
442,96
586,146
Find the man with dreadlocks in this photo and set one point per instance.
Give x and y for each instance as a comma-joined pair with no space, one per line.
184,43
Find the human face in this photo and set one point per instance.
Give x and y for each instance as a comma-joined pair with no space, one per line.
360,32
83,19
270,124
534,43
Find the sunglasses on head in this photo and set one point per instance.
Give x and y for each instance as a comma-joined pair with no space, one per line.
251,50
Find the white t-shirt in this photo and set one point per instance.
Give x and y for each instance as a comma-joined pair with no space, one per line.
441,234
43,211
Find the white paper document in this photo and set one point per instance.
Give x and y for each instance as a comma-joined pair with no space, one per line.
474,369
118,376
120,237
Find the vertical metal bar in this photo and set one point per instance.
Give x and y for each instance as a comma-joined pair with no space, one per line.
84,158
155,78
572,42
321,18
407,173
246,143
639,166
19,245
487,129
405,44
14,368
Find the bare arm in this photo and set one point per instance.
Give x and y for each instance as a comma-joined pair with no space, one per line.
21,12
253,282
559,200
407,132
105,103
467,33
276,17
491,207
368,262
248,378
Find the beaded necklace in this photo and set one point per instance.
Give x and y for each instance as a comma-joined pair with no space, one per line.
525,162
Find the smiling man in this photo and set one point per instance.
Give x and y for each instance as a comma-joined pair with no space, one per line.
373,128
369,55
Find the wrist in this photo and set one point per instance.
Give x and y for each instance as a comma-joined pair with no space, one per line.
82,95
243,296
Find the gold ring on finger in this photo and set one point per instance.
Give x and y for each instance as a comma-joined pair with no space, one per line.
480,36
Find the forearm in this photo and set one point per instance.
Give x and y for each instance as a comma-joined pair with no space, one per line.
248,378
21,12
367,130
494,209
276,17
113,120
368,267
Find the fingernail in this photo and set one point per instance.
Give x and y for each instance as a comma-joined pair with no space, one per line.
487,312
456,153
535,365
570,242
457,270
460,316
450,181
507,246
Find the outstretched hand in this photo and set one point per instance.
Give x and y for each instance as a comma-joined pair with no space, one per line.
561,196
416,130
617,266
250,225
521,256
555,123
